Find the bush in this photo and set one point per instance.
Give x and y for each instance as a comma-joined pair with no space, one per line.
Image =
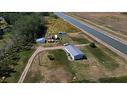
51,57
122,79
1,37
92,45
1,33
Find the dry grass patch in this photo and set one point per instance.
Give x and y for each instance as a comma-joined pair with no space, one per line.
57,25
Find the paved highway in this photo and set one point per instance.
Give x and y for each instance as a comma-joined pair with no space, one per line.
105,38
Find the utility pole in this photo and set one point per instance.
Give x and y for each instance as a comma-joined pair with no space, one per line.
39,59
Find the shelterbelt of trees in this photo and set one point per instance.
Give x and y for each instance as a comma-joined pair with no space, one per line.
24,29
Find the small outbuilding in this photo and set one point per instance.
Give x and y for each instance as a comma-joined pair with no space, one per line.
74,52
1,18
40,40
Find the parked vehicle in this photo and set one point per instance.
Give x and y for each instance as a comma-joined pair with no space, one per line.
66,44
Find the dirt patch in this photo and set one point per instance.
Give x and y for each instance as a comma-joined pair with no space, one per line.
48,71
56,75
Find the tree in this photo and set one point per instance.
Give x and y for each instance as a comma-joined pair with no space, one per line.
1,33
11,17
26,27
5,70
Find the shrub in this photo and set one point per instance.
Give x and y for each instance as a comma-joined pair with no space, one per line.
92,45
51,57
1,33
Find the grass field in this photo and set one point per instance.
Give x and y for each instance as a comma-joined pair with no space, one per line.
103,58
78,38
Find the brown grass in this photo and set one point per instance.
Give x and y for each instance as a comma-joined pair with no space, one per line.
58,25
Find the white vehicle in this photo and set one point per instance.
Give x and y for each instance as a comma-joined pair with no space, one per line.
66,44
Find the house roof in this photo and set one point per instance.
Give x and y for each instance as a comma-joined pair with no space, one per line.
73,50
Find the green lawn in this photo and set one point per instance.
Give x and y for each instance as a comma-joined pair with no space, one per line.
60,57
122,79
103,58
83,81
80,40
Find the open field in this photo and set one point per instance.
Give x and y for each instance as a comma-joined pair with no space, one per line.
113,23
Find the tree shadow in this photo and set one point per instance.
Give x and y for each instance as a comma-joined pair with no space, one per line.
42,32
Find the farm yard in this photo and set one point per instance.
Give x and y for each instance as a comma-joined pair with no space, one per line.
54,66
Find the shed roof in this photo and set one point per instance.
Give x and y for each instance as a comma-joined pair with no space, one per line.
40,40
1,18
73,50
